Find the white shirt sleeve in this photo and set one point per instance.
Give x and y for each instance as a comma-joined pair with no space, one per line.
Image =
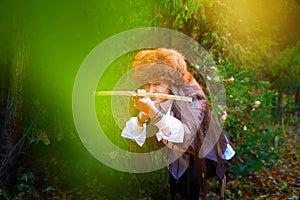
170,129
135,132
229,152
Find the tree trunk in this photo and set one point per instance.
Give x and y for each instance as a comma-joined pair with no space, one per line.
297,101
11,133
4,80
279,112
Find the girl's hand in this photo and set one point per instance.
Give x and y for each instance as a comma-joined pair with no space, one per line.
146,106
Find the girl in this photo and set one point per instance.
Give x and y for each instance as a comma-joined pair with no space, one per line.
181,126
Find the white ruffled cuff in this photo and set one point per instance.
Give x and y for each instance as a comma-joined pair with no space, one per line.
170,129
135,132
228,153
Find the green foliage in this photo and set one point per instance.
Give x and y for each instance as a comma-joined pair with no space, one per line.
249,121
244,32
3,194
38,135
241,35
48,189
27,187
284,71
26,182
182,11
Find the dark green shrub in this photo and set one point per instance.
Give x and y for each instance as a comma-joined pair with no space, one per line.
249,121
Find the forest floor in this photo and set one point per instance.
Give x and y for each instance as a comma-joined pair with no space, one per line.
281,181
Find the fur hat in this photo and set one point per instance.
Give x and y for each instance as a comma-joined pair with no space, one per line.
163,64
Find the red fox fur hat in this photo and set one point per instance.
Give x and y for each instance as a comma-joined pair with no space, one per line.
167,58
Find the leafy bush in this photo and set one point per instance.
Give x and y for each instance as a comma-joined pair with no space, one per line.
240,41
249,120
